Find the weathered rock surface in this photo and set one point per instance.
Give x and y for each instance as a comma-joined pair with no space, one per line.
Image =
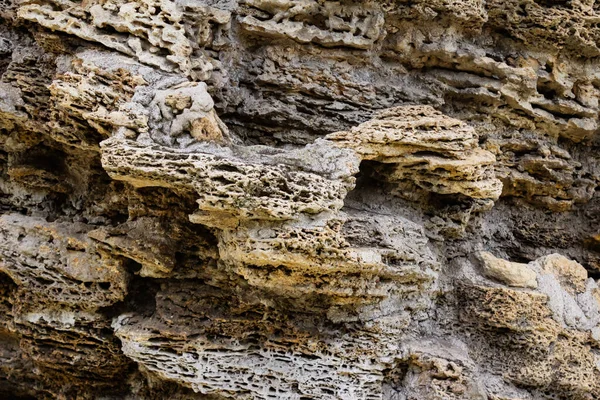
314,199
509,273
437,153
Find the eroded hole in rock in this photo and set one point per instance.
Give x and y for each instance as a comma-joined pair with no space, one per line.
132,265
6,48
546,90
553,3
140,300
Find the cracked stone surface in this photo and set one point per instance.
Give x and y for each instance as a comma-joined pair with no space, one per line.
312,199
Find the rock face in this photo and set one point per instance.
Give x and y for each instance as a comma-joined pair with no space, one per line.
313,199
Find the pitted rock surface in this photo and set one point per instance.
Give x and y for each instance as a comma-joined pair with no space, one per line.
313,199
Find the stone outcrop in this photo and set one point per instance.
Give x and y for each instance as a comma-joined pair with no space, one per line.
302,357
349,25
509,273
437,153
314,199
556,326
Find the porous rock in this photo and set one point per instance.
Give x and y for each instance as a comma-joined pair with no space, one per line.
314,199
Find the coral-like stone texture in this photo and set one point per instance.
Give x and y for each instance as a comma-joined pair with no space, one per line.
302,200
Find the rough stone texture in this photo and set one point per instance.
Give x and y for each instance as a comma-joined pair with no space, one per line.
437,153
313,199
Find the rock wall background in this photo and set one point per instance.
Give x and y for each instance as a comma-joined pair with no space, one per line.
276,199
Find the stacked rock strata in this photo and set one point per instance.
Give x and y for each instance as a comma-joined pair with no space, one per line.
314,199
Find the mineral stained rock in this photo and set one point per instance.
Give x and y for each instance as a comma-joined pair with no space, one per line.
311,199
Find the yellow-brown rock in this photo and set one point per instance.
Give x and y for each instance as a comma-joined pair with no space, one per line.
421,145
509,273
299,200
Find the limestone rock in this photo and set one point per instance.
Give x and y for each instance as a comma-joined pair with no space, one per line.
59,263
509,273
435,373
435,152
529,332
61,281
316,259
346,25
229,188
187,108
546,176
276,199
299,358
406,130
569,272
156,255
147,29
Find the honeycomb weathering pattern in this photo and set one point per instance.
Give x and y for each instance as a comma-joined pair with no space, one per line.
312,199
